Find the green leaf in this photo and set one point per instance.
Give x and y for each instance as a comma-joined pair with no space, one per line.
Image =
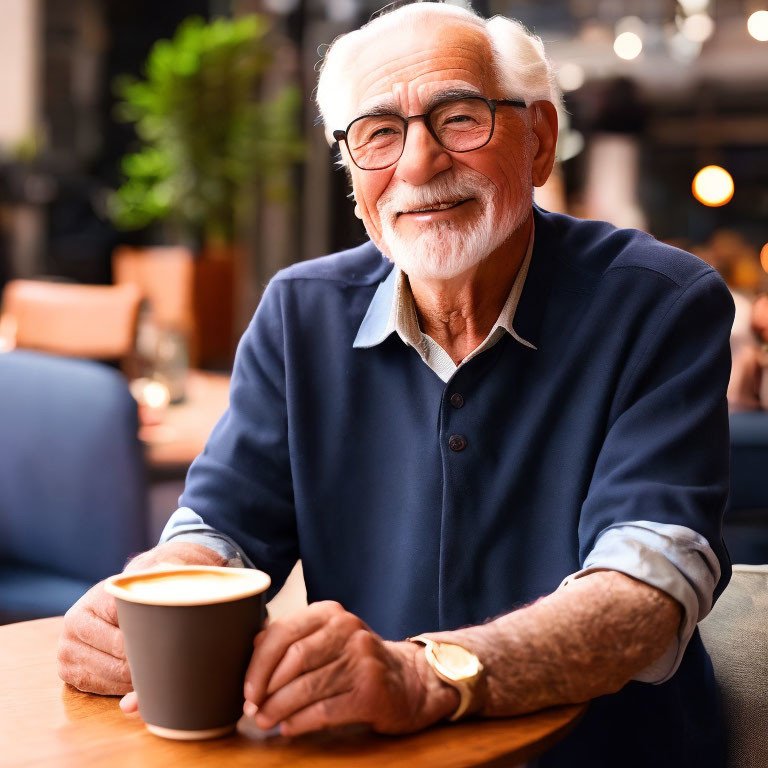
206,138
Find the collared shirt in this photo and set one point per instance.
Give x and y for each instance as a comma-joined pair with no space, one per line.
419,510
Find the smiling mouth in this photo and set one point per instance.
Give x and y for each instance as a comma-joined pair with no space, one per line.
436,207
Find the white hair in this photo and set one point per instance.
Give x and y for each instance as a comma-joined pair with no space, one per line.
521,65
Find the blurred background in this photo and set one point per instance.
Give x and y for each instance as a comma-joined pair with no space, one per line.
654,91
160,161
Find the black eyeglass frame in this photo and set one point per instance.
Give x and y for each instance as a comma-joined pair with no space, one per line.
492,104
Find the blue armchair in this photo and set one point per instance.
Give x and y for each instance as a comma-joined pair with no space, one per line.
746,519
72,481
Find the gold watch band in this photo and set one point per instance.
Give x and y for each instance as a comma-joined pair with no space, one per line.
463,674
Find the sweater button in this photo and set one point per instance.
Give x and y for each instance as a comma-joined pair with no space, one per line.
457,443
457,401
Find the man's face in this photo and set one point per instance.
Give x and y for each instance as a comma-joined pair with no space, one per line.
489,188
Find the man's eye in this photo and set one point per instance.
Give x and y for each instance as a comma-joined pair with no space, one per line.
452,119
382,132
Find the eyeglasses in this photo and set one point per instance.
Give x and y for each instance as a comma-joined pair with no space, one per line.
459,124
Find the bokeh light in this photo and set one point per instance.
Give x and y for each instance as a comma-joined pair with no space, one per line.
150,393
713,186
693,6
682,48
764,257
628,45
570,77
698,27
757,25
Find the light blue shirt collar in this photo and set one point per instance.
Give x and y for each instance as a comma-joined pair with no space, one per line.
376,323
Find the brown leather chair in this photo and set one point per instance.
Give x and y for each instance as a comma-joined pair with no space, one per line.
88,321
165,278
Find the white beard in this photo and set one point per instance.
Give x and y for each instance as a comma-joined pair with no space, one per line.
444,250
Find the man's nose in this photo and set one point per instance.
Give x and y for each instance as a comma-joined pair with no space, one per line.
422,158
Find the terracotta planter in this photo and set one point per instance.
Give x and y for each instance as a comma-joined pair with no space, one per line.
213,307
191,294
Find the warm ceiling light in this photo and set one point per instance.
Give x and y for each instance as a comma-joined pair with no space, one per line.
627,45
570,77
698,27
757,25
713,186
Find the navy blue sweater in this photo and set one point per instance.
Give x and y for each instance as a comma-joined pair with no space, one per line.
341,456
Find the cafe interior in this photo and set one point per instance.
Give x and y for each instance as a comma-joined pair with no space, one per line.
161,161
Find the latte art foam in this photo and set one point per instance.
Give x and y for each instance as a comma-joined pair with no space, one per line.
188,585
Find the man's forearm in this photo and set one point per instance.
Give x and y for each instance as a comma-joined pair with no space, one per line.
584,640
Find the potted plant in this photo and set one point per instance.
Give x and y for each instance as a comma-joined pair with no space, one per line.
209,146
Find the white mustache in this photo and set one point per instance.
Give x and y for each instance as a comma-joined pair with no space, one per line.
441,191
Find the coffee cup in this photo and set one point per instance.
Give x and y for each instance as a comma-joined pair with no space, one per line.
188,633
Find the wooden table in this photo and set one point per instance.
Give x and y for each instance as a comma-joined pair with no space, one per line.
44,722
172,445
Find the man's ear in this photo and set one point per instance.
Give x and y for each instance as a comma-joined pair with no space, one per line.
544,127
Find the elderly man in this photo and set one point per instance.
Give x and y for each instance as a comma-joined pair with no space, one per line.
512,443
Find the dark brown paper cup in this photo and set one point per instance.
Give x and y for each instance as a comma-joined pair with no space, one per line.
188,653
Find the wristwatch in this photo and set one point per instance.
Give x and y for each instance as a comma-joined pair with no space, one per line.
456,666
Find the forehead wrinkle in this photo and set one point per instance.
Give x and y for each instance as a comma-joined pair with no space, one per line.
451,75
479,55
444,58
406,75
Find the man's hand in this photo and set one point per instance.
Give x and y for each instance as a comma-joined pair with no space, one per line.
91,655
322,666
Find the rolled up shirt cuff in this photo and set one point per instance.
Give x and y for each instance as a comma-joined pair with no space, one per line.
672,558
186,525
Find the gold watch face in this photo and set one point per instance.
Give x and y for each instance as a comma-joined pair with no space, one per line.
456,662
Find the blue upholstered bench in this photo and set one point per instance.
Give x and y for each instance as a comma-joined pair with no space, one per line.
746,520
72,485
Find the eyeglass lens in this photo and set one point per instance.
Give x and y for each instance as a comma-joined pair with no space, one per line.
376,141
